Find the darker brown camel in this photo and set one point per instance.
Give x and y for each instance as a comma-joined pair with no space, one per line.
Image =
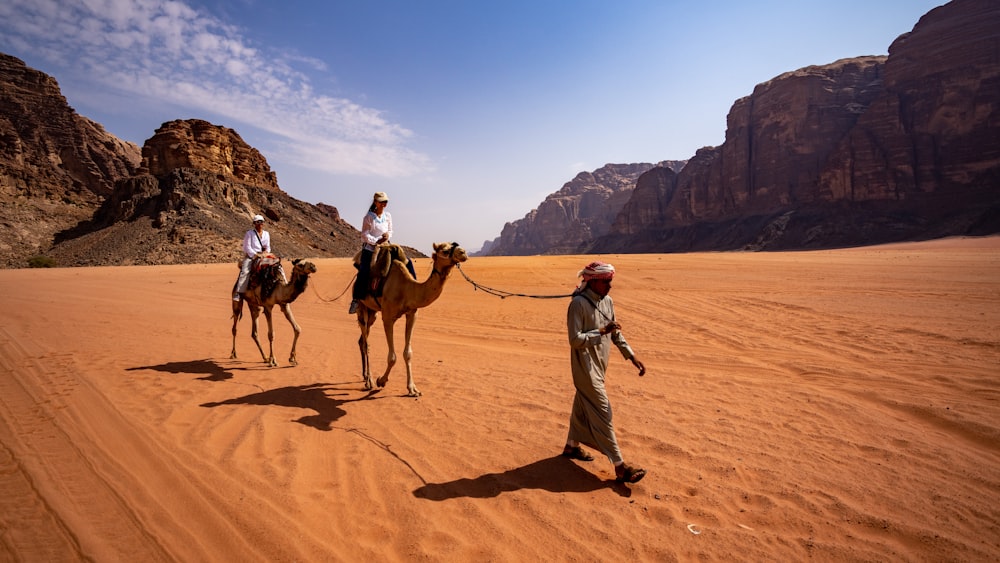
403,295
282,296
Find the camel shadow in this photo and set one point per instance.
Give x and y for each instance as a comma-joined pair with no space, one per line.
555,474
212,370
313,396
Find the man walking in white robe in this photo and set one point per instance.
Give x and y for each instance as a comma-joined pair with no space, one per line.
592,328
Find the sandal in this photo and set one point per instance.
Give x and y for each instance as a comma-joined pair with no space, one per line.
628,474
576,452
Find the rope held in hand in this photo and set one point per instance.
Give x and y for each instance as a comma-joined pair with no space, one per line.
505,294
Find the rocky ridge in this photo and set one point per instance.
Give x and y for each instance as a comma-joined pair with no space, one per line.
567,220
55,166
191,202
78,196
860,151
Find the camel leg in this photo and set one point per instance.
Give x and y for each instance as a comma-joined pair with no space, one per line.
366,319
237,313
391,359
287,310
254,313
270,338
411,319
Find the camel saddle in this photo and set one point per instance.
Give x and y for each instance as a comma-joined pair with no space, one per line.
265,271
381,262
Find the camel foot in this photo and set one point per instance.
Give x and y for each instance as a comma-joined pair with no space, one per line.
233,355
272,363
414,392
382,381
293,361
368,384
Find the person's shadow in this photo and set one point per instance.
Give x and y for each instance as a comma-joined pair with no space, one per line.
313,396
554,474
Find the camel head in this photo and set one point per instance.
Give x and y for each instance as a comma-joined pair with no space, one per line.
300,275
449,253
302,268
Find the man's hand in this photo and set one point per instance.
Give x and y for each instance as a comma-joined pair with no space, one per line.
611,327
638,364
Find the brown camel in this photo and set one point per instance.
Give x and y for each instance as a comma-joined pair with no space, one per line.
403,295
282,295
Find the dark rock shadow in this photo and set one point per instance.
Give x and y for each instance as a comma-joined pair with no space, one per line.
212,370
313,396
555,474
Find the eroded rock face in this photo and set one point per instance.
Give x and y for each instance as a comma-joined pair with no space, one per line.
191,202
653,192
80,196
192,216
569,219
861,151
935,129
194,143
777,141
55,165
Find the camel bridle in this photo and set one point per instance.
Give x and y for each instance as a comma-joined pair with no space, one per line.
451,258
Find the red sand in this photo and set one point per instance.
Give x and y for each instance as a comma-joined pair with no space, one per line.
840,405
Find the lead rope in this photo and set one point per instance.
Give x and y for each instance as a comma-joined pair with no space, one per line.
505,294
349,284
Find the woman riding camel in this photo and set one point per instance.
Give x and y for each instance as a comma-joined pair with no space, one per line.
376,229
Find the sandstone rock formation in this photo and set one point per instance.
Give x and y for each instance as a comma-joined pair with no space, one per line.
572,217
934,132
55,165
198,144
191,202
80,196
861,151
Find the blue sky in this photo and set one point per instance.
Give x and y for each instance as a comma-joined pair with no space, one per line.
468,113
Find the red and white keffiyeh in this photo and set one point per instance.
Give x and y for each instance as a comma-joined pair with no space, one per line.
597,271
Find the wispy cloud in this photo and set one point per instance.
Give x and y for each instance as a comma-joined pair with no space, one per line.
168,51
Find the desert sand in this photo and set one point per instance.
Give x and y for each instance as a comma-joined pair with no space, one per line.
835,406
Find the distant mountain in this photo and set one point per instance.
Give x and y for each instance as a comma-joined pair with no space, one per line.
75,194
860,151
574,216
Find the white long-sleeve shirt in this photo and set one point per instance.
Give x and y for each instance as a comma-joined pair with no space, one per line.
252,246
373,227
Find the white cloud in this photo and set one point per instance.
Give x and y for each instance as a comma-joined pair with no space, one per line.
167,51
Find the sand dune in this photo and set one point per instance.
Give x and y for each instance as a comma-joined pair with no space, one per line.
840,405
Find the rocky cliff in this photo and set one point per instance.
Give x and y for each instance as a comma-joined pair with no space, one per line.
198,144
861,151
191,202
572,217
55,166
77,195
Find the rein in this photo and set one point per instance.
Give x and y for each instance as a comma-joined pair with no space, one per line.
505,294
349,285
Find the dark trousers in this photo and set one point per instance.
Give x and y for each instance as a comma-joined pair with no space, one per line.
364,275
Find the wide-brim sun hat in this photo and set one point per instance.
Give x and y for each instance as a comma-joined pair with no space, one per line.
257,218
